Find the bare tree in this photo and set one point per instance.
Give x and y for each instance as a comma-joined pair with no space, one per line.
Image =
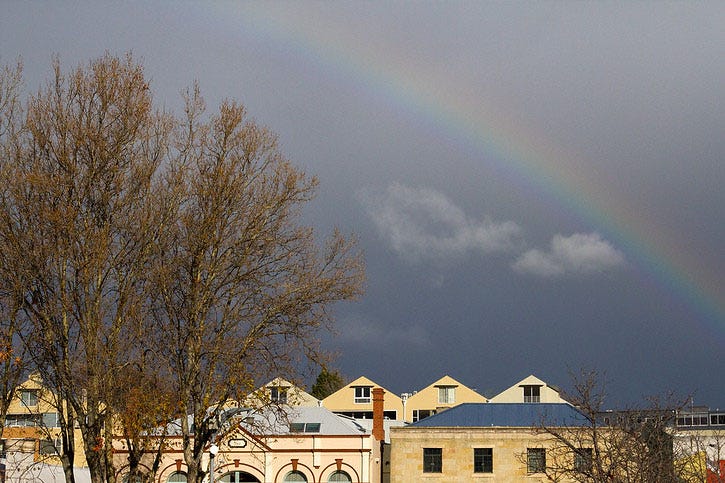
242,288
75,225
699,450
13,354
632,445
143,409
132,240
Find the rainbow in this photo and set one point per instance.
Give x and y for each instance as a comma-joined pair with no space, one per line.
518,152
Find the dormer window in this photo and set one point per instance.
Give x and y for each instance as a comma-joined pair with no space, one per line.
532,394
29,398
446,394
278,394
362,394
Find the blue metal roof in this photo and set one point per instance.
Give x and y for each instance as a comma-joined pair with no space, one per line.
517,415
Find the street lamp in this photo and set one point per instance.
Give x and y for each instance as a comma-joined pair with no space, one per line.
213,450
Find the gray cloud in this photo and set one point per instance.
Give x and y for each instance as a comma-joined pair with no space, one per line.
362,330
423,224
578,253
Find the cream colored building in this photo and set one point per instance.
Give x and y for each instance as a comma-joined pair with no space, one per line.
305,444
356,401
444,393
477,443
31,436
281,391
529,390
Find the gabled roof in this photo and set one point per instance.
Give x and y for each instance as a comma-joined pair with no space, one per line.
549,393
517,415
447,381
361,381
296,396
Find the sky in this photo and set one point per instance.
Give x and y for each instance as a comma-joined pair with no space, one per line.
536,186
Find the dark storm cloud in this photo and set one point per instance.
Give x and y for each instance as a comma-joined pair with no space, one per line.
470,273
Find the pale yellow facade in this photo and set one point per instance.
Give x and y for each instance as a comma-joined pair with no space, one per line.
32,428
508,446
356,400
530,389
444,393
281,391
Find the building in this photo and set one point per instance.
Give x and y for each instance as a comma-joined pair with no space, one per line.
355,400
280,391
31,438
279,444
529,390
479,442
444,393
699,444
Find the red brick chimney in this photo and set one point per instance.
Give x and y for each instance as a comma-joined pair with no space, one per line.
378,413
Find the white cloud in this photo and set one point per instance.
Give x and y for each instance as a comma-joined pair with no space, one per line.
423,224
578,253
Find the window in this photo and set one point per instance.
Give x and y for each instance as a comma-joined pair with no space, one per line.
432,460
304,427
692,420
23,420
483,460
446,394
50,420
419,414
535,460
50,446
28,397
294,476
177,478
583,460
362,394
717,419
339,476
532,394
240,477
278,394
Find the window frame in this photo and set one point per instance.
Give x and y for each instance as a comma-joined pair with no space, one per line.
339,473
177,474
446,394
278,394
583,460
364,396
432,460
483,460
31,395
535,460
534,395
295,473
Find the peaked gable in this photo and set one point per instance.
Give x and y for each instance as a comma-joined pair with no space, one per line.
531,389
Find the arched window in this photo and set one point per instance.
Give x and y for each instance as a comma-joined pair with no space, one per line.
237,477
132,479
294,476
340,476
177,478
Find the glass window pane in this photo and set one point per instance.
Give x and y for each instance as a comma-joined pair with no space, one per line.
294,476
483,460
432,460
340,476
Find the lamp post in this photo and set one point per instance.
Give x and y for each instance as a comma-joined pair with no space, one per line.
213,450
